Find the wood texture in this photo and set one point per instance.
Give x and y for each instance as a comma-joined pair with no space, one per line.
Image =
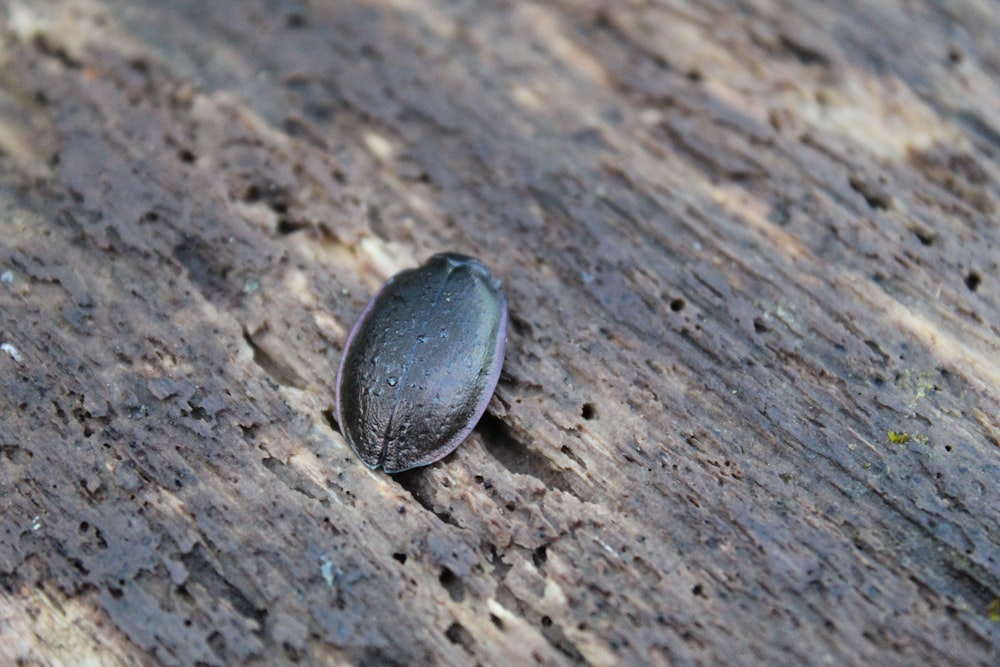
749,413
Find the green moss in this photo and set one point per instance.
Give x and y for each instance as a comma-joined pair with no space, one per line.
902,437
899,437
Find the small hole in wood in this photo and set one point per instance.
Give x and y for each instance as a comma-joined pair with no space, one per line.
973,281
539,556
458,634
295,21
286,226
252,194
452,584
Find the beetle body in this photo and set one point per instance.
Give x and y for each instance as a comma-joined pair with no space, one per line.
421,363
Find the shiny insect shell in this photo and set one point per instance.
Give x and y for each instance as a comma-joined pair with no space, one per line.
421,363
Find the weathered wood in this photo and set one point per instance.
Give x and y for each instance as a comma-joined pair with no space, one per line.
749,413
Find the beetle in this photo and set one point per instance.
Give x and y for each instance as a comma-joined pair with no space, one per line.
421,363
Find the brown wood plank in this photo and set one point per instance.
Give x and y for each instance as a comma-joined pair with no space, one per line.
749,413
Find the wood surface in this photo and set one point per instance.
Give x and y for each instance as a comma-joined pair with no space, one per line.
749,412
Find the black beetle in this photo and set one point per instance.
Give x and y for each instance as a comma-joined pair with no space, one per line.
421,363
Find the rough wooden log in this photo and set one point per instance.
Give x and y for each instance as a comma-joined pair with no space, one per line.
749,413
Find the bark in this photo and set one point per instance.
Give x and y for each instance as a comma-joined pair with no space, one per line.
749,412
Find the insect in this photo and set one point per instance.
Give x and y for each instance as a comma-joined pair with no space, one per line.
421,363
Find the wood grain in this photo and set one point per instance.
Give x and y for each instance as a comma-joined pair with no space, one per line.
749,412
